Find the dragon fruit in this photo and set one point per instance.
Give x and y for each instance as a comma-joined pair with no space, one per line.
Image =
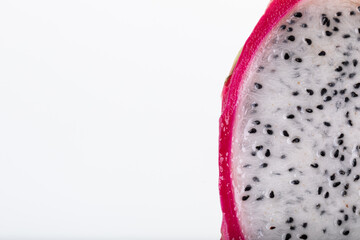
289,147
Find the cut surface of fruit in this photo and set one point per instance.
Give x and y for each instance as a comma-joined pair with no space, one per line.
290,127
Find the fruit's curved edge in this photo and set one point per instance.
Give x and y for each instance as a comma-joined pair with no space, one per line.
277,9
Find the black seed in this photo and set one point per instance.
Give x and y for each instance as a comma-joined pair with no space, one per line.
354,209
290,220
272,228
332,177
259,147
254,105
352,13
295,182
346,35
324,230
258,85
325,21
260,198
355,62
326,195
283,27
346,217
338,14
357,85
331,84
342,92
356,178
345,63
288,236
267,153
283,156
296,140
322,53
322,153
342,172
336,184
298,108
304,225
321,107
295,93
244,198
339,69
323,91
346,187
310,92
320,189
290,29
304,25
291,116
335,29
338,222
253,154
354,162
308,41
335,92
298,14
340,142
327,124
350,122
343,193
272,195
260,69
292,228
248,188
354,94
269,131
336,19
336,153
304,236
291,38
314,165
327,98
328,33
253,130
347,99
309,110
257,122
285,133
317,206
348,171
264,165
299,60
352,75
286,56
291,169
342,158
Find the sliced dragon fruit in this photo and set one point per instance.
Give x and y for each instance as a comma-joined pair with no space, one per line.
290,126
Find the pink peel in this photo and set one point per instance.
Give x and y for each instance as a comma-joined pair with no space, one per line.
276,10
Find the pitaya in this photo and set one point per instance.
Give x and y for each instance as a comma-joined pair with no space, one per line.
290,126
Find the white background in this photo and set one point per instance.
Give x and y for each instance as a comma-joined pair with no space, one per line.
109,116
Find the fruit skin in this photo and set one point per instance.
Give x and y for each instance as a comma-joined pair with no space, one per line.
276,10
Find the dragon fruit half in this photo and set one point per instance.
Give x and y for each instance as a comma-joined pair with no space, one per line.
289,153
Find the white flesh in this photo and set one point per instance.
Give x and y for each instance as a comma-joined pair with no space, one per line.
280,78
